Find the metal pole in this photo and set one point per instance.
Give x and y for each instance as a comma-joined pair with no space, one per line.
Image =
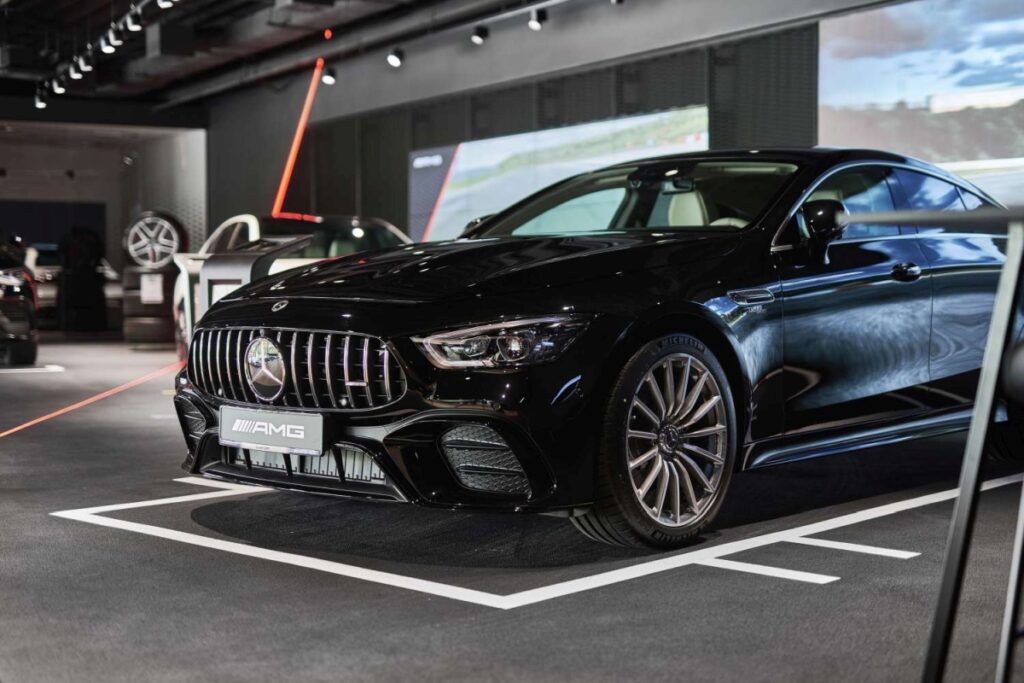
967,502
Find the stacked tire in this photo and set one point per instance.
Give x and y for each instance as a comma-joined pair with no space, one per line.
151,242
146,321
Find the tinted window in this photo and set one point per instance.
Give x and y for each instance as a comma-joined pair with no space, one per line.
927,193
667,195
592,211
973,201
861,190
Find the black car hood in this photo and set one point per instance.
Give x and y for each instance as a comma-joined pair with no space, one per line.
422,273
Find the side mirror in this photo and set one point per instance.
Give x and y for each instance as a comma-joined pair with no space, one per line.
820,217
470,226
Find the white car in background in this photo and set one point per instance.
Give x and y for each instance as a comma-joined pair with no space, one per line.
333,236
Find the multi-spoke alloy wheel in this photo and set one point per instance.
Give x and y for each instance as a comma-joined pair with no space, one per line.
153,240
667,449
676,440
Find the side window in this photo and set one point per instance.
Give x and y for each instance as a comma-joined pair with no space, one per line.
864,189
928,193
586,213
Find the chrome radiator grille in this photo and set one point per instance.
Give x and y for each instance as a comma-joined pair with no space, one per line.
325,370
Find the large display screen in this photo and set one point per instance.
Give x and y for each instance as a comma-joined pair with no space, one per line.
940,80
450,186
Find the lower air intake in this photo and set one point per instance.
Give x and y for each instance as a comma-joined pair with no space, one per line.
483,461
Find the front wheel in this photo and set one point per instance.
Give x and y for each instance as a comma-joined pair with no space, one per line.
667,450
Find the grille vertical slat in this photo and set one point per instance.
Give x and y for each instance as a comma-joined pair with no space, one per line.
366,371
310,371
327,370
217,367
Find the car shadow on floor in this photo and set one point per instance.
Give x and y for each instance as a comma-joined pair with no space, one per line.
329,527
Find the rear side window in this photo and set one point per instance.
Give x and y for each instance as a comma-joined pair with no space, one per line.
863,189
927,193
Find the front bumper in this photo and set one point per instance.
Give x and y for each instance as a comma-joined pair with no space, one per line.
544,416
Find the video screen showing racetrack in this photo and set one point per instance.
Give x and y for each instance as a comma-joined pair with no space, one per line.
946,86
450,186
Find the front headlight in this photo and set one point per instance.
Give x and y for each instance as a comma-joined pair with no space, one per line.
503,345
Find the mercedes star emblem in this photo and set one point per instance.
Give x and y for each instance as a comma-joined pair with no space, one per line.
264,368
278,306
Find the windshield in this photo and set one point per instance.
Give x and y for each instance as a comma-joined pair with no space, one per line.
688,195
334,237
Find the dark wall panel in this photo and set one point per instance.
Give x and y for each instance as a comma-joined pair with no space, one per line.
578,98
335,167
502,112
384,161
661,83
440,123
248,140
764,90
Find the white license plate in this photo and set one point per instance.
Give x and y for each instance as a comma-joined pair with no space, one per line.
268,430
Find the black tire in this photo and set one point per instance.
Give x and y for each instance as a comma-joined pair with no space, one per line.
134,308
149,330
617,517
1005,441
22,353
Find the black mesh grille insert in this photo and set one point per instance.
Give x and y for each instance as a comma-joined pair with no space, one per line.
483,460
325,370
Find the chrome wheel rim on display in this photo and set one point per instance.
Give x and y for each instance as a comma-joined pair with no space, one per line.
676,440
152,242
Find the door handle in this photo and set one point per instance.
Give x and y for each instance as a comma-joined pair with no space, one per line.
906,272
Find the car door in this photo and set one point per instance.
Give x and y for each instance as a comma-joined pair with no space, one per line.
856,314
965,267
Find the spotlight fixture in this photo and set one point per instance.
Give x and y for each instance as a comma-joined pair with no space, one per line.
57,85
164,4
538,17
84,61
328,77
73,72
40,99
114,35
618,2
105,46
396,57
133,21
480,35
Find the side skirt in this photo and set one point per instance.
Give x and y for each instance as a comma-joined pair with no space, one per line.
816,445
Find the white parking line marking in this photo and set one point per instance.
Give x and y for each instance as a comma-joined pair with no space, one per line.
853,547
765,570
31,370
511,601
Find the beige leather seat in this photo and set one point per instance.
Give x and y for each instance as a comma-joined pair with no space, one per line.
834,195
687,208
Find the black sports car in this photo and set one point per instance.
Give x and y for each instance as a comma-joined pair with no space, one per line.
611,348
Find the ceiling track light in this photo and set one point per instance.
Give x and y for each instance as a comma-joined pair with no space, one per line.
133,21
105,46
329,77
396,57
538,18
480,35
57,85
114,35
164,4
73,72
84,61
40,99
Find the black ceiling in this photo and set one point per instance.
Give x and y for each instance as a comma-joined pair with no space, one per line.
40,37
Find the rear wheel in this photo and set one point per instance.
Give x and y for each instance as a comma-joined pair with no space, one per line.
667,450
22,353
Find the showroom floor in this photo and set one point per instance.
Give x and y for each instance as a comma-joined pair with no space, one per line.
232,584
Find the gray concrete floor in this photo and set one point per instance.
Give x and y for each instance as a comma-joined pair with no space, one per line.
83,602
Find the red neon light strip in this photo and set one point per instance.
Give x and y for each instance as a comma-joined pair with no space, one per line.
174,367
300,130
444,186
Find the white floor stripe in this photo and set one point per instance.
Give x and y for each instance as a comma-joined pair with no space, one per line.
31,370
511,601
853,547
765,570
